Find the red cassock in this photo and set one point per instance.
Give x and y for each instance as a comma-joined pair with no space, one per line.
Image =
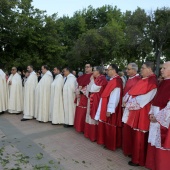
159,159
91,129
81,109
110,128
139,120
127,131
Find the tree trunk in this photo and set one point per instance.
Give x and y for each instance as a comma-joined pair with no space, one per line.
158,58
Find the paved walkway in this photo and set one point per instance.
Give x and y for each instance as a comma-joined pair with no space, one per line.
32,145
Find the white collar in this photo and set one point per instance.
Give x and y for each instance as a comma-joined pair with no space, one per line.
58,75
113,77
133,76
48,73
32,72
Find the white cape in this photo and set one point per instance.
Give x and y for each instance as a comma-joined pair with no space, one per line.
42,97
15,96
68,98
3,92
56,102
29,96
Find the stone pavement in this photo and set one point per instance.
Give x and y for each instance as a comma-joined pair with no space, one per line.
31,145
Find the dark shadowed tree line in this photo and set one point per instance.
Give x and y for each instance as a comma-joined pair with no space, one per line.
97,36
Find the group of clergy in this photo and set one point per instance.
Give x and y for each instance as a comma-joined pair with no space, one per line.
135,118
48,100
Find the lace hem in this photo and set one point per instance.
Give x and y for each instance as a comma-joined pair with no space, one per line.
163,116
155,135
133,105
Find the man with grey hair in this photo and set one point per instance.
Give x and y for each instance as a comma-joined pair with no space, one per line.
134,66
94,91
80,73
131,70
136,112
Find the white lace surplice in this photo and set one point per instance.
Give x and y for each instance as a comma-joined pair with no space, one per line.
137,103
163,118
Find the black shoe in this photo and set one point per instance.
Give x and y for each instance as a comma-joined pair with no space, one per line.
17,113
132,164
24,119
105,147
66,126
2,113
54,124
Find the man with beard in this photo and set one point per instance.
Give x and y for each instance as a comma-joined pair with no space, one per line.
29,94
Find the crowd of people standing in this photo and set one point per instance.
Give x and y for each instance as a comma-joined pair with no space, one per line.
133,115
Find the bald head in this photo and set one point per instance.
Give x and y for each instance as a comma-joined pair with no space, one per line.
165,71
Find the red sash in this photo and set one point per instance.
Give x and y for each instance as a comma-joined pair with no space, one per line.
95,97
143,86
130,83
112,84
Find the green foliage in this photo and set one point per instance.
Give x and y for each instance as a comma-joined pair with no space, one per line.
97,36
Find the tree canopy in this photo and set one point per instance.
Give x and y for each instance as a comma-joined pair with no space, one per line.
97,36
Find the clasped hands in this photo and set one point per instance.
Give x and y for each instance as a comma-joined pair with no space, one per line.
152,118
78,92
108,114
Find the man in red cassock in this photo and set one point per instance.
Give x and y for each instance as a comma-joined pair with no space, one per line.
131,70
136,112
94,89
109,111
81,107
158,154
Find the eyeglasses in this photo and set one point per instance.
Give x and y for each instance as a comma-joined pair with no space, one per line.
13,69
128,69
87,66
109,69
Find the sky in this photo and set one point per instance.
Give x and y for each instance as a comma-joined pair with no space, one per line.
68,7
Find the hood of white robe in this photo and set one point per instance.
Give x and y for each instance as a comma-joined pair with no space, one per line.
71,75
58,75
2,74
32,73
48,73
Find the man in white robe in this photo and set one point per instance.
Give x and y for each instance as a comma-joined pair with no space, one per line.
42,95
69,97
29,94
56,102
15,96
3,92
